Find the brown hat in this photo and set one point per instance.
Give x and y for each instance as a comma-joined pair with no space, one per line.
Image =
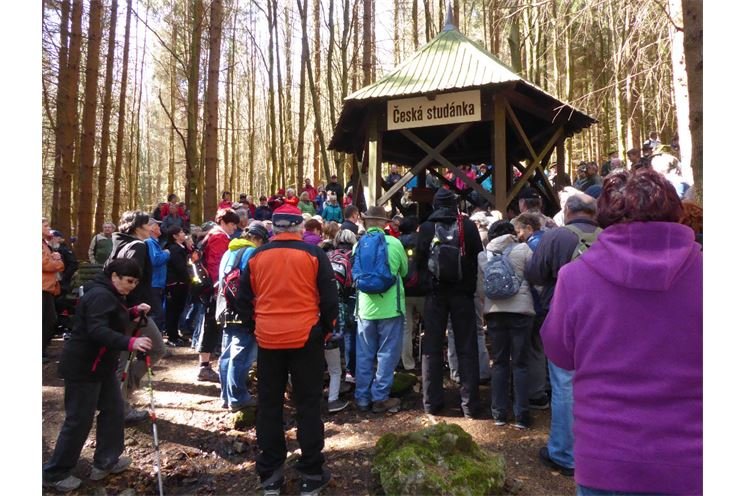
375,213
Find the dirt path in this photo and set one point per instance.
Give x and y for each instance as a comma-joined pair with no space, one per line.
201,453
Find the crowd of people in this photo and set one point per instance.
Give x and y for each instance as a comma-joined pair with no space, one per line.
595,314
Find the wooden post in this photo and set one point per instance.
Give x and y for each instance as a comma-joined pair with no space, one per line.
372,189
560,160
500,183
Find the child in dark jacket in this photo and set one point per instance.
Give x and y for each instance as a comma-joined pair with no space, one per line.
88,366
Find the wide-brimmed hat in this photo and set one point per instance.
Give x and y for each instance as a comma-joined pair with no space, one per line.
375,213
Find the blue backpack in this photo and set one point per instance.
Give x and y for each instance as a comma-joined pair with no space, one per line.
370,270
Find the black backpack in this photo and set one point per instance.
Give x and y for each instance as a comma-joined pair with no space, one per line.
446,252
411,281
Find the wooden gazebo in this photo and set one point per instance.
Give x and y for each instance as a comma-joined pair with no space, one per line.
451,103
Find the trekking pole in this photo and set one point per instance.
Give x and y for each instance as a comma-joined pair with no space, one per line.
155,426
135,334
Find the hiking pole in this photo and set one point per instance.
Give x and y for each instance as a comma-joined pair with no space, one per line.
155,426
131,355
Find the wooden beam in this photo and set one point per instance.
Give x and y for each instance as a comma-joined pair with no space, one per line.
439,158
422,164
373,162
520,130
500,177
560,158
534,164
526,104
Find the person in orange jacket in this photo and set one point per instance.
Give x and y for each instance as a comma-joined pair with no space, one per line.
51,265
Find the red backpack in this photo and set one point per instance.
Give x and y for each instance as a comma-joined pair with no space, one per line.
342,266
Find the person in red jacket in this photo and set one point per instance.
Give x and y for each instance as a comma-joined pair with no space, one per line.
227,201
214,245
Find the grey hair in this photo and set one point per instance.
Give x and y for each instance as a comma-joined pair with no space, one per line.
581,203
242,214
665,164
297,228
345,236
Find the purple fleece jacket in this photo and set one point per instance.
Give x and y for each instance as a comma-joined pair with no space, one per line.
312,238
627,317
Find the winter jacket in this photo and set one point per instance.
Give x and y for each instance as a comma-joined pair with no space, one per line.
178,266
224,204
49,269
292,201
71,266
311,192
350,226
522,302
283,314
637,358
159,260
100,249
263,212
469,263
312,238
332,213
127,246
307,207
553,252
215,245
101,318
391,303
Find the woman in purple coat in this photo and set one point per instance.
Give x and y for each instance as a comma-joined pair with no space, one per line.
627,317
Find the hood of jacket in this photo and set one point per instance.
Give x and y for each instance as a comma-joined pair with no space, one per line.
500,243
102,281
643,255
446,215
120,239
312,238
238,243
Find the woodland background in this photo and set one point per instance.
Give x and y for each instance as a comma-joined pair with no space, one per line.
141,98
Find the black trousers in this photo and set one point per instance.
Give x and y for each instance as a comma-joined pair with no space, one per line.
175,302
509,334
82,399
306,366
460,308
156,312
211,332
48,319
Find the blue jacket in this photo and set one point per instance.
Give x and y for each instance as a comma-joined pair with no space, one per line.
332,212
159,260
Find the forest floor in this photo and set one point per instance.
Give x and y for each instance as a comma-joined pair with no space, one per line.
201,453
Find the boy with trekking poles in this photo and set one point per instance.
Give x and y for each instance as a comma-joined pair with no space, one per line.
88,366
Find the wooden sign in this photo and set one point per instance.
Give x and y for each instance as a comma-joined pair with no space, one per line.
437,110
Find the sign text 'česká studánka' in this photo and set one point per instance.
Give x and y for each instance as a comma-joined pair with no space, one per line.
448,108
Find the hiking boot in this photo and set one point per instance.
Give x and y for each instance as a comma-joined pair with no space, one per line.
121,465
135,417
362,407
390,405
523,421
273,488
208,375
501,419
65,485
540,404
337,406
547,461
312,485
178,343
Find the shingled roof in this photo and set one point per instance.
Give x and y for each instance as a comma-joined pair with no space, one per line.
449,62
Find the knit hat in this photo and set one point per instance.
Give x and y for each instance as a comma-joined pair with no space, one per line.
257,229
527,193
444,198
287,215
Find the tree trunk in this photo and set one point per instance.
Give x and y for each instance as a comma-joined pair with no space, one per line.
192,112
272,112
115,209
367,28
211,110
106,121
415,25
680,86
87,144
172,105
60,107
69,118
693,42
514,42
304,55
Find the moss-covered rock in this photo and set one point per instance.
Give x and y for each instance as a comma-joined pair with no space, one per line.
244,419
402,383
439,460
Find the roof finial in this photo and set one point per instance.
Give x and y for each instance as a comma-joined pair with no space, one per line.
449,24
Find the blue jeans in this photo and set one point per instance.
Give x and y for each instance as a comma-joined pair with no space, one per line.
239,351
381,340
588,491
561,437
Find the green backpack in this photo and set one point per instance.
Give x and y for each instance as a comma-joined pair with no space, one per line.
586,239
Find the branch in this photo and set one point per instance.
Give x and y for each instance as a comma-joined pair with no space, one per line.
46,103
173,124
662,7
163,43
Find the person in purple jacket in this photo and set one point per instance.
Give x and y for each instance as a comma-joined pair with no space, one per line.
312,234
637,353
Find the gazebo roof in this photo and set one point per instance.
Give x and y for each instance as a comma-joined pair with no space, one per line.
449,62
